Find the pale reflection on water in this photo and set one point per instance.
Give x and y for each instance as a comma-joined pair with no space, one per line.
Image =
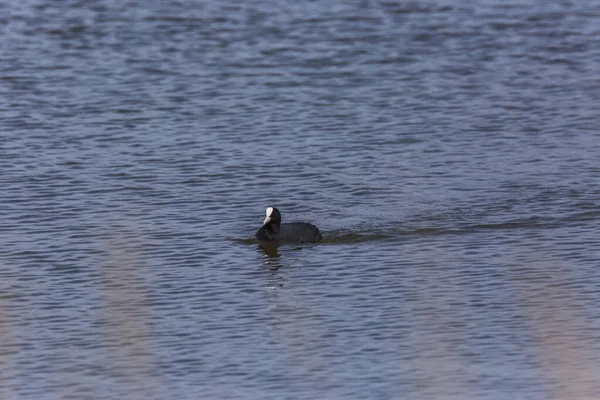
563,340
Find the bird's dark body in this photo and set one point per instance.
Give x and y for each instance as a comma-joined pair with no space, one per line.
296,232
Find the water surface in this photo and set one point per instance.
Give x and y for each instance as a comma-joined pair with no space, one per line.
447,150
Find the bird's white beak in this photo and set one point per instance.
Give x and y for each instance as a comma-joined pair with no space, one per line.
268,218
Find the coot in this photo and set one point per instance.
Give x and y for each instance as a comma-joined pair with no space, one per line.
297,232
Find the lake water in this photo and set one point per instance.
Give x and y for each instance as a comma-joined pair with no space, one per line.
449,151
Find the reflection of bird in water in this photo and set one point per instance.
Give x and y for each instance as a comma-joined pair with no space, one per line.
272,256
270,249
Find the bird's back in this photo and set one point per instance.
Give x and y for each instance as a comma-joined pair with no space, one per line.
299,232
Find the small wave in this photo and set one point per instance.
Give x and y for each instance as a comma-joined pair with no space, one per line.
352,237
360,236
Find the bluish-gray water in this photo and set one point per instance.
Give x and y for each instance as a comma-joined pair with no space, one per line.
449,152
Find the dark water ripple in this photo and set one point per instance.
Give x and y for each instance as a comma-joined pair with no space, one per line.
448,152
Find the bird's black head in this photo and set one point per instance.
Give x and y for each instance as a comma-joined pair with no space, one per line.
273,217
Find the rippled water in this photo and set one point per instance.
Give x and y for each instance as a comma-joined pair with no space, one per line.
449,152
